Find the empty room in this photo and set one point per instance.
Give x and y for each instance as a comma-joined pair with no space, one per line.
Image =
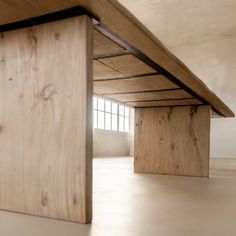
117,118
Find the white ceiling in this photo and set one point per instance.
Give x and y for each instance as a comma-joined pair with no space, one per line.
201,33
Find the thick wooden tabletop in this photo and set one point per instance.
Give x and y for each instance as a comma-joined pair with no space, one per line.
130,63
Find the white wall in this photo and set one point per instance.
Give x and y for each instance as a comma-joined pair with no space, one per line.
215,62
110,144
203,35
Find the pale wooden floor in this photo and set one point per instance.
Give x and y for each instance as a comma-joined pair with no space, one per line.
128,204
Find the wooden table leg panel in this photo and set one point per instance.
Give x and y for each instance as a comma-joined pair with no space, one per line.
46,120
172,140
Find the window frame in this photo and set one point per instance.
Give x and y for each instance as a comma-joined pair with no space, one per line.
111,112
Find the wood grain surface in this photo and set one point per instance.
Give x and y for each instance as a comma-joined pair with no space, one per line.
104,47
172,141
133,84
46,120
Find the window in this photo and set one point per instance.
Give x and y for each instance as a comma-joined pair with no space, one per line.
110,115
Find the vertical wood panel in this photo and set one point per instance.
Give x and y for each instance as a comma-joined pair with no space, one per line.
46,120
173,140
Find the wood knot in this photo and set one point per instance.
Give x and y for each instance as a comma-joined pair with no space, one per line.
161,140
44,199
169,113
75,201
193,111
1,128
57,36
47,92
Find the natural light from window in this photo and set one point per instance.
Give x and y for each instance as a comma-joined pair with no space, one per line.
109,115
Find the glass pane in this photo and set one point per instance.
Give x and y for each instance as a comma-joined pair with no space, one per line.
100,120
127,125
107,106
101,104
121,123
95,121
108,121
126,111
95,103
114,122
121,110
114,108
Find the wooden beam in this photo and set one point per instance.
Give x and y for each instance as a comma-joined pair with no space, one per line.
172,140
46,120
166,103
150,96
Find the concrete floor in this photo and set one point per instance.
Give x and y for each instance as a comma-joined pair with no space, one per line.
128,204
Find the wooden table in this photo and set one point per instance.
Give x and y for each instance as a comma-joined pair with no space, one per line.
54,55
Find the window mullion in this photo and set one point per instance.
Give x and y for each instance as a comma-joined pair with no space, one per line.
124,123
118,117
129,120
97,112
105,118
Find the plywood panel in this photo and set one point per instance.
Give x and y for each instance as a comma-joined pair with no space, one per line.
45,120
177,102
172,140
101,71
144,83
128,65
105,47
172,94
